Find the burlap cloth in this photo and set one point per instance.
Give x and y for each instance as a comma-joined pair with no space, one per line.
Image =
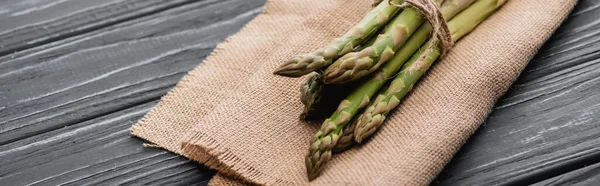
230,113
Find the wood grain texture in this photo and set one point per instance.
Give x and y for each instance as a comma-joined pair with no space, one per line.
589,175
67,99
97,151
15,14
31,23
547,124
66,106
115,68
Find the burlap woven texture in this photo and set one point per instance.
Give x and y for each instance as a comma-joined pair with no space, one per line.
232,114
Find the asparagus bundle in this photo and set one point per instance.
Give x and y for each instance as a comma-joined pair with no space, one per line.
355,65
332,129
319,100
368,26
380,57
412,71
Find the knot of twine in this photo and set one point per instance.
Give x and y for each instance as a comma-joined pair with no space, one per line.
431,12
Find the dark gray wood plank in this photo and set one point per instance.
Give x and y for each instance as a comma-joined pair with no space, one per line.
29,23
20,13
66,106
97,151
589,175
548,123
114,68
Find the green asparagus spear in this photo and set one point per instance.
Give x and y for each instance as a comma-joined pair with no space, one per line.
326,138
347,139
412,71
355,65
319,99
311,93
369,25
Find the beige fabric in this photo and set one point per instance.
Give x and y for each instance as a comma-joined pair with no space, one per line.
222,180
233,115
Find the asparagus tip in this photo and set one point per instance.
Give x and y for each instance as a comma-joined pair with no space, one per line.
358,138
311,177
287,70
301,65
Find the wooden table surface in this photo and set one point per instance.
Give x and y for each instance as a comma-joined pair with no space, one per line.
76,74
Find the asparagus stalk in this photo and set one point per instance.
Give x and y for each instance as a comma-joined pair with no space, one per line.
355,65
347,138
319,99
369,25
412,71
310,93
331,130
